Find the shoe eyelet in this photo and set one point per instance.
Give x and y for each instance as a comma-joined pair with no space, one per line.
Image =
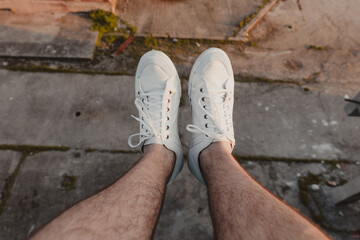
142,108
167,137
203,99
205,116
201,90
167,127
143,100
206,136
168,100
142,126
170,92
167,109
167,118
138,93
206,125
142,118
204,107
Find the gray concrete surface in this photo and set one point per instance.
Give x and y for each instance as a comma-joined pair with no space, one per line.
94,111
46,35
282,131
203,19
38,194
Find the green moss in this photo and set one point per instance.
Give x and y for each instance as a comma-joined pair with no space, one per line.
317,48
250,79
106,22
312,78
61,70
91,150
150,42
103,21
251,44
284,159
304,184
31,149
68,182
252,15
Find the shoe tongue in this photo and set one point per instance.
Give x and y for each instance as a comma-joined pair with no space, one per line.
153,78
216,75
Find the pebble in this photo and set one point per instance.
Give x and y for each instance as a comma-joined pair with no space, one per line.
338,166
341,213
5,64
314,187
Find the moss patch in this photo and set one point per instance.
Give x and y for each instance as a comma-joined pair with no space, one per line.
317,48
249,17
106,22
68,182
283,159
62,70
249,79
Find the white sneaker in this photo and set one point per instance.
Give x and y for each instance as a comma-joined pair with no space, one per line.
157,93
211,94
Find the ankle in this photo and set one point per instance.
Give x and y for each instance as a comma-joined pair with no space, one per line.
213,150
160,151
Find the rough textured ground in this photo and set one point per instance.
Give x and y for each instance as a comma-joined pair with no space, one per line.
214,19
60,134
46,35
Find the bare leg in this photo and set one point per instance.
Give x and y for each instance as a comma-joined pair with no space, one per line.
241,208
128,209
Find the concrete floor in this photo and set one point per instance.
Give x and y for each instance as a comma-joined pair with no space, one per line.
58,127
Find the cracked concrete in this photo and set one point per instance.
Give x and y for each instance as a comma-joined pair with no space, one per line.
47,35
86,111
289,116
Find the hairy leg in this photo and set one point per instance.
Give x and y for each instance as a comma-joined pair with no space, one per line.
128,209
241,208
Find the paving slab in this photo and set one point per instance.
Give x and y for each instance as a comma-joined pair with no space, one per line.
46,36
39,193
186,19
75,110
278,120
93,111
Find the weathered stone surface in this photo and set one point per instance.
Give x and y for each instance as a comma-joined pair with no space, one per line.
38,194
203,19
86,111
8,162
347,191
46,35
285,121
75,110
36,6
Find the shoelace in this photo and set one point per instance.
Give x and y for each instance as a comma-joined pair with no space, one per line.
221,100
149,104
